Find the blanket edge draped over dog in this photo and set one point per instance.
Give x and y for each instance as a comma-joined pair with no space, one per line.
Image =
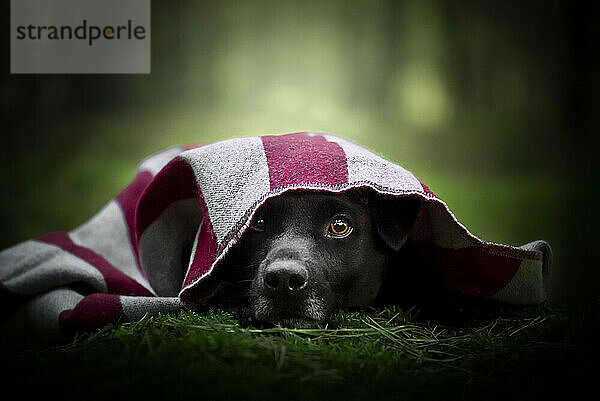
196,202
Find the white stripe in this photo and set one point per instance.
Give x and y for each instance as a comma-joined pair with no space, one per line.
364,165
233,175
107,235
35,323
156,162
525,288
136,308
32,267
162,244
528,285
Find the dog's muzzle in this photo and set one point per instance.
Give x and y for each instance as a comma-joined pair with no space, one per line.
285,292
285,278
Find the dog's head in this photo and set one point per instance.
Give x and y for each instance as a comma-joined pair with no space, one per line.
308,253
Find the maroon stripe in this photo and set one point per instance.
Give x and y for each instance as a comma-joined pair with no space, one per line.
174,182
206,248
426,189
117,282
128,200
472,271
301,159
92,312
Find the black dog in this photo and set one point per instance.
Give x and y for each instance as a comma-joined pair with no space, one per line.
310,253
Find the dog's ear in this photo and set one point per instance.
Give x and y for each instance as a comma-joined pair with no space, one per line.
394,217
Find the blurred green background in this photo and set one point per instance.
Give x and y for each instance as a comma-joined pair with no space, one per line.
492,104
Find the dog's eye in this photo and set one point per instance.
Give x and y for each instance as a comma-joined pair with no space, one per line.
339,227
258,225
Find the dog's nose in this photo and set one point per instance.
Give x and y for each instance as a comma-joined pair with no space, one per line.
286,276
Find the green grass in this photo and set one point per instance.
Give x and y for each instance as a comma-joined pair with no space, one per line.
374,354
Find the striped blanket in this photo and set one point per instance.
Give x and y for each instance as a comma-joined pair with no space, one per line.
153,248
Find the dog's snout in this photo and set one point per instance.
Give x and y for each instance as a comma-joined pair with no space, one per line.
286,276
